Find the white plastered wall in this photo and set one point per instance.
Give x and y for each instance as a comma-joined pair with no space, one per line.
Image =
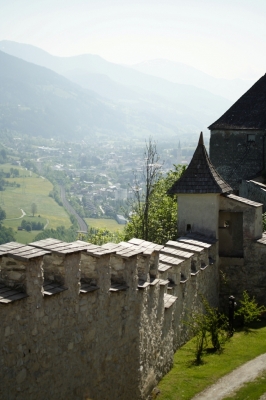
200,211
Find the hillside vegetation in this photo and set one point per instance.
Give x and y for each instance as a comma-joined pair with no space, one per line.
32,189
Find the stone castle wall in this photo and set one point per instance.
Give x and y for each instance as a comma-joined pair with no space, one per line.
237,154
253,191
244,271
106,324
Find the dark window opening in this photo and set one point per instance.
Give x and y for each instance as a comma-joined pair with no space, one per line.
251,138
188,227
230,234
193,266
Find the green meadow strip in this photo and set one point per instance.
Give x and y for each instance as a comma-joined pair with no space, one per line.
187,379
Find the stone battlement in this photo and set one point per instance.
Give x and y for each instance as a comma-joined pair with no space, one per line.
53,260
76,316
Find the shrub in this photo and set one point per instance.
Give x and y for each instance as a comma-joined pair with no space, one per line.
28,227
249,310
208,326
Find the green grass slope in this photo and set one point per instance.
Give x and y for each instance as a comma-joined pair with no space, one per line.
33,189
101,223
186,379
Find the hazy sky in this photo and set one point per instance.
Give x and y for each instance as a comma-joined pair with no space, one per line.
225,38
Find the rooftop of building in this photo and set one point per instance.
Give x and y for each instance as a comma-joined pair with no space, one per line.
200,176
248,112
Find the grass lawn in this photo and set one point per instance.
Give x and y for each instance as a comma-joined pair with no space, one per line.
25,237
109,224
33,189
186,379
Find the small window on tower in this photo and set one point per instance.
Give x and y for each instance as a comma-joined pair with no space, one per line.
251,138
188,227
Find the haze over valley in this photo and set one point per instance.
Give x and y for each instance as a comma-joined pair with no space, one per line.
86,95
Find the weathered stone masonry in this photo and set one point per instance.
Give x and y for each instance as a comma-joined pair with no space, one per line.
238,141
96,322
237,154
80,321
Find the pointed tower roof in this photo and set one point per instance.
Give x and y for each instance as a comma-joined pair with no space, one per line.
248,112
200,176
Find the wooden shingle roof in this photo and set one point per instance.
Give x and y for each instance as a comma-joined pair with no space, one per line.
200,176
248,112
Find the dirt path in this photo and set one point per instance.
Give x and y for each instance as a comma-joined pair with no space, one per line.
11,219
233,381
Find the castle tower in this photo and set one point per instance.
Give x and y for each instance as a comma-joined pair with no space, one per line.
237,142
198,192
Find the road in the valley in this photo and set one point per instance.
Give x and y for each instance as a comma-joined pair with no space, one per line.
82,224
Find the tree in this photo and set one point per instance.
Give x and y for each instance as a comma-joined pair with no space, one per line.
249,310
143,188
28,227
6,235
101,236
161,222
33,208
207,326
2,215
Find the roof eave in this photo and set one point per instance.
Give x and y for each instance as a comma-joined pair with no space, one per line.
232,128
193,191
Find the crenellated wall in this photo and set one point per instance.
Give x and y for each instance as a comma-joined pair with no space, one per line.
80,321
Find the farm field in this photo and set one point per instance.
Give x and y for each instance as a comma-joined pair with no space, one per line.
32,189
109,224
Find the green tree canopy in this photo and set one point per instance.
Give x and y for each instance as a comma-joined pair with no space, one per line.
2,214
61,233
101,236
6,235
162,213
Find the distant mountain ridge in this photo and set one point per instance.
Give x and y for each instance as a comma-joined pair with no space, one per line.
231,89
174,72
133,101
37,101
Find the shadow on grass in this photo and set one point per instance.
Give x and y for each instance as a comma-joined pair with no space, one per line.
252,328
194,363
211,350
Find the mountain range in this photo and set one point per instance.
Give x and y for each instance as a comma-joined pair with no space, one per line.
231,89
38,102
82,95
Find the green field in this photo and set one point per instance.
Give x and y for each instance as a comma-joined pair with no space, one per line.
109,224
33,189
